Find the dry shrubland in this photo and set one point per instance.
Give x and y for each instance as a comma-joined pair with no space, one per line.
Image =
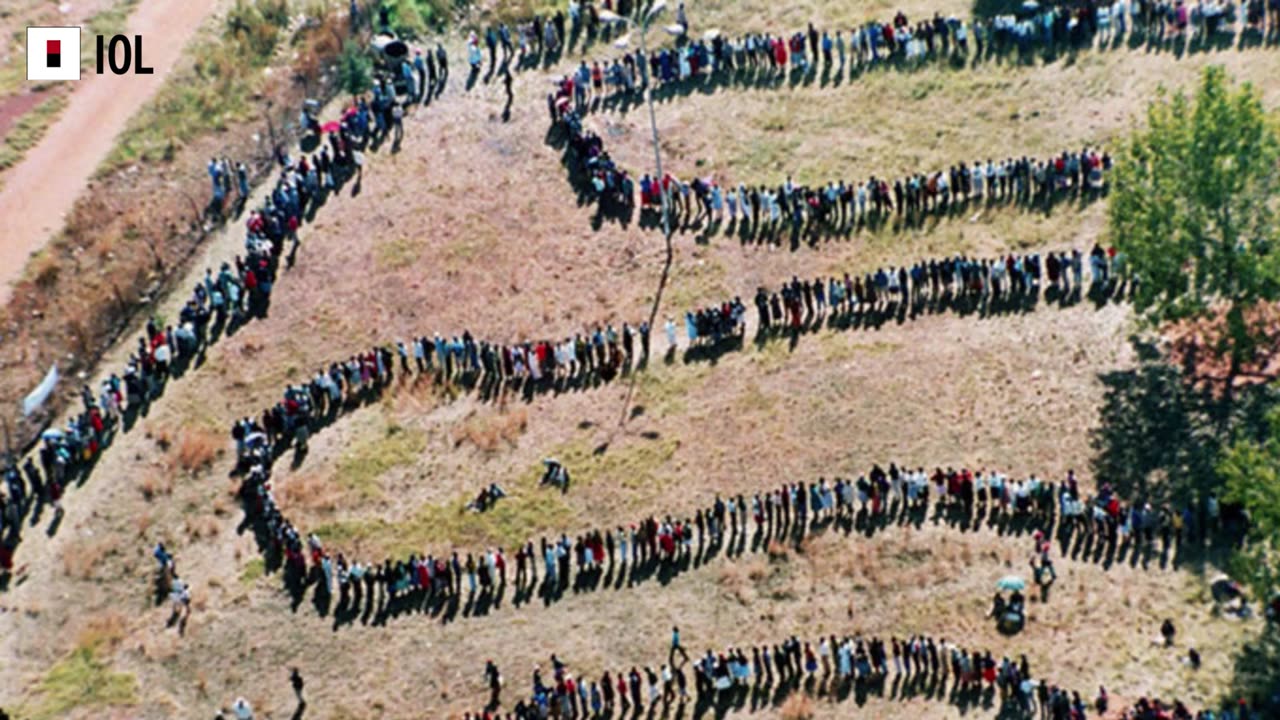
492,432
198,448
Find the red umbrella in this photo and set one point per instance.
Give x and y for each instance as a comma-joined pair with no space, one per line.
331,126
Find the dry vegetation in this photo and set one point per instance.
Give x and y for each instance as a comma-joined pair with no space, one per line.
28,109
132,235
472,226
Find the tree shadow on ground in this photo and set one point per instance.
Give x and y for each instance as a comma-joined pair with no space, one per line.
1257,672
1160,436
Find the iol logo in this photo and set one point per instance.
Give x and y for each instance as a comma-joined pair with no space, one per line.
53,53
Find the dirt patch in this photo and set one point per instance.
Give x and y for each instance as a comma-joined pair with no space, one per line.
15,106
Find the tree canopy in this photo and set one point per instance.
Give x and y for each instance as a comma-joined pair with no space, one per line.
1192,207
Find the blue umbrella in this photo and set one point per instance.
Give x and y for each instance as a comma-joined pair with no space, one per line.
1010,583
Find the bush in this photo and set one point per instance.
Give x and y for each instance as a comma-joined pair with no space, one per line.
415,19
197,449
355,69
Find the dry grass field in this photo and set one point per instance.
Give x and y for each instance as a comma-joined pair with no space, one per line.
472,225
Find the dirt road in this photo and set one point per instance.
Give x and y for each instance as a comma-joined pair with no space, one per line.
42,188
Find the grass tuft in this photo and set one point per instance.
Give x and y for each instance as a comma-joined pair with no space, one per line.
396,446
397,254
490,433
29,129
797,707
253,570
80,681
197,449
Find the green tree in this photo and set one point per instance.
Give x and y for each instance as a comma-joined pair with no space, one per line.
355,68
1192,209
1251,470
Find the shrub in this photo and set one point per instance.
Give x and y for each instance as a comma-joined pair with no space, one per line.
197,449
355,69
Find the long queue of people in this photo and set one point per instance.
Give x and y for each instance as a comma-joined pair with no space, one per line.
605,352
1097,527
836,207
584,358
905,42
835,665
964,284
220,302
540,40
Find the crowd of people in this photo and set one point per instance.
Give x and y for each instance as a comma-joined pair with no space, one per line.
1098,527
584,358
834,665
220,302
836,207
241,290
605,182
906,42
606,352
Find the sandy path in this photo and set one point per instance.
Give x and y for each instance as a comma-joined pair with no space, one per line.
42,188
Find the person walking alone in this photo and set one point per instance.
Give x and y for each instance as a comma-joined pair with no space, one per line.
676,647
